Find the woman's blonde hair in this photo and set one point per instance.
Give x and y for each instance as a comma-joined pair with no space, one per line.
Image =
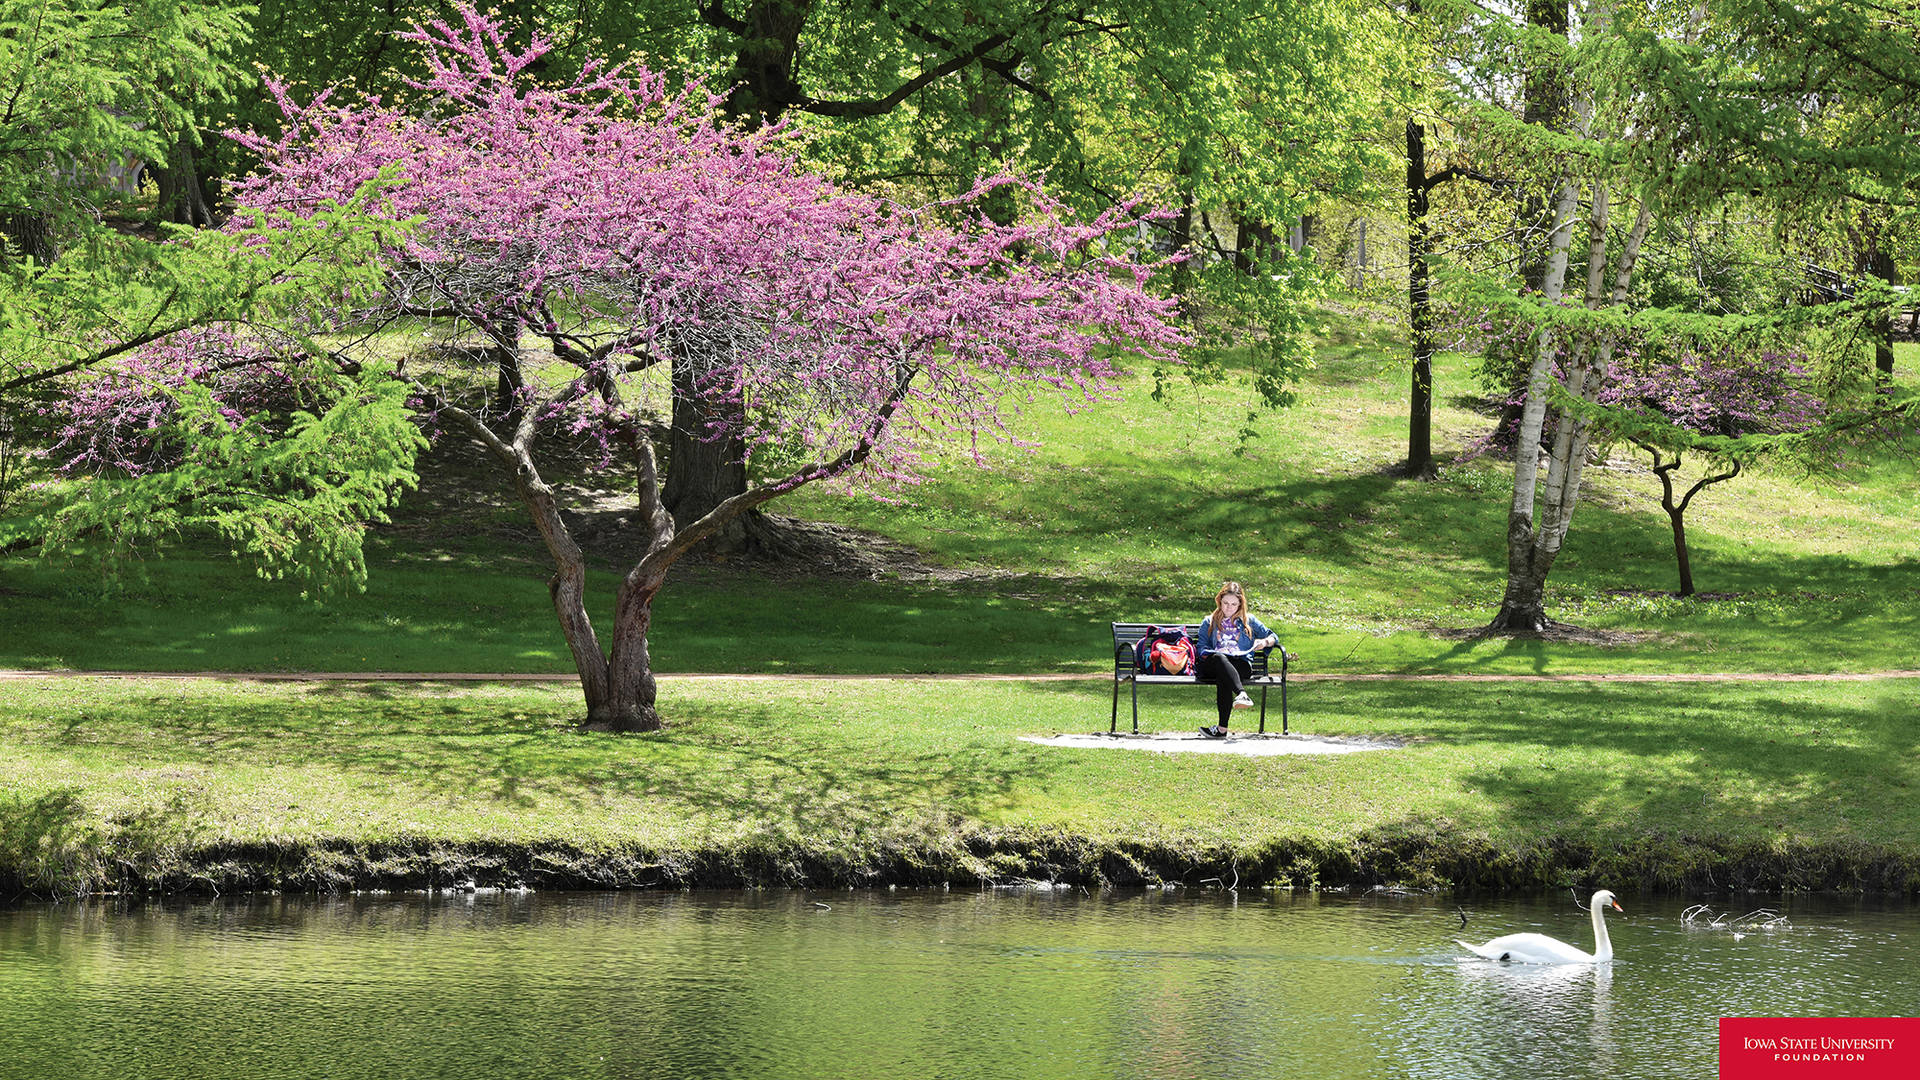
1234,588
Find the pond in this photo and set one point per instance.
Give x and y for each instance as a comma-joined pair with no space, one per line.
1156,984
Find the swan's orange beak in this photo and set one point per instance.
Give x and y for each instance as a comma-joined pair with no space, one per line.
1617,907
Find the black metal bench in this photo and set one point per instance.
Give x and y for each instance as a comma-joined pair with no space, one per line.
1125,669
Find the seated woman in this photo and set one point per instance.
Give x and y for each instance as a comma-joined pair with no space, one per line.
1226,637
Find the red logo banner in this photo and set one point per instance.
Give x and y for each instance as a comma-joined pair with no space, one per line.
1807,1048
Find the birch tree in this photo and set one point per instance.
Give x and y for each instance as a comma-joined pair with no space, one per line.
1671,111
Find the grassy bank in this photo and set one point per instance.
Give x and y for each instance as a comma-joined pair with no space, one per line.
168,785
1130,509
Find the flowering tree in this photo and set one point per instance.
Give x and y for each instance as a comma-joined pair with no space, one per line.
1706,403
582,253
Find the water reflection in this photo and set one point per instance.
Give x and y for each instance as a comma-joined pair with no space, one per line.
912,984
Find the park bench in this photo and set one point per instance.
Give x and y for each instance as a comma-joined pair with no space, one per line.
1128,634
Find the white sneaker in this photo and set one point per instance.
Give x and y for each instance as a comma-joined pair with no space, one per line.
1243,701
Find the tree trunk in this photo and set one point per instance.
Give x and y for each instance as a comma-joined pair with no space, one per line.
631,689
568,586
704,471
1678,517
1300,237
32,234
1183,230
1880,264
1677,511
1547,103
1522,606
183,196
1251,246
1420,309
763,81
618,685
1360,254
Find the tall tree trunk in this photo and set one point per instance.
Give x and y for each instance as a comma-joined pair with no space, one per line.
704,471
1360,254
1547,102
1253,243
1534,543
764,85
1301,236
1183,227
1419,307
32,234
1523,604
990,104
183,196
1880,265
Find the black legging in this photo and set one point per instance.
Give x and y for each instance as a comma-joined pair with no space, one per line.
1228,674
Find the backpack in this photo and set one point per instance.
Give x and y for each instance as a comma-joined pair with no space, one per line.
1164,652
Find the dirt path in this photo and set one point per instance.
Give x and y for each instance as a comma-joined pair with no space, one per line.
510,677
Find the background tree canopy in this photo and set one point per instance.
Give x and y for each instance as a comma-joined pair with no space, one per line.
1636,183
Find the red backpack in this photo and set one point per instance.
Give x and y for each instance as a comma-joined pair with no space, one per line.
1165,652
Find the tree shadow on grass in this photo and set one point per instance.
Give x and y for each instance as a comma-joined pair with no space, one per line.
1674,757
1734,785
744,765
1347,540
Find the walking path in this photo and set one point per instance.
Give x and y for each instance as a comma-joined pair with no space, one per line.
1239,743
528,677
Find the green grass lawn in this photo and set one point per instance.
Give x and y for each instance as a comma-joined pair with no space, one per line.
1636,783
1128,509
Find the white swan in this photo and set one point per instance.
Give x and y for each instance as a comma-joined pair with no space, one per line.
1541,949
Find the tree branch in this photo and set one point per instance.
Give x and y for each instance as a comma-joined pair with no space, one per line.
1006,68
714,12
881,106
656,562
1706,481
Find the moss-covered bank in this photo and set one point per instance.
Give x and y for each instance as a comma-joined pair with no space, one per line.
169,786
126,862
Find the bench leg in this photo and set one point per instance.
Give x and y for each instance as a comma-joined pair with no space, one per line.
1283,697
1113,722
1136,706
1263,708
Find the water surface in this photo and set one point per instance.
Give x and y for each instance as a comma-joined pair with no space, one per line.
910,984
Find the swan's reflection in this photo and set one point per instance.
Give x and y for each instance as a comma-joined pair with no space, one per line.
1567,1003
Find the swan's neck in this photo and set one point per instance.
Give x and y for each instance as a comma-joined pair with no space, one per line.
1602,944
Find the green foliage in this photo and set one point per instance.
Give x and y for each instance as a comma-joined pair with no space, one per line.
292,492
98,85
1129,509
119,293
293,496
1254,320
